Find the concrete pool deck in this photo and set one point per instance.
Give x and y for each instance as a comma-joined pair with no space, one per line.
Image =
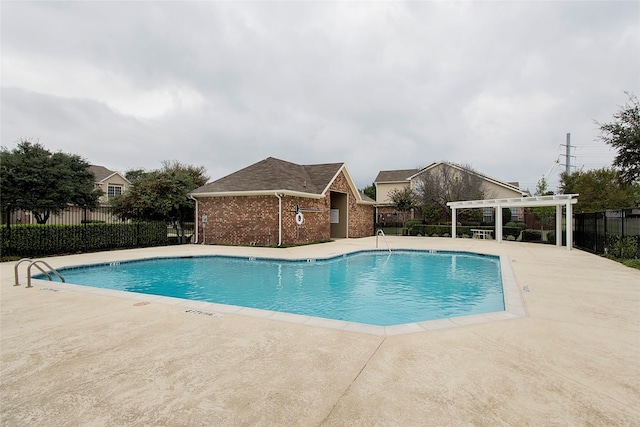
78,357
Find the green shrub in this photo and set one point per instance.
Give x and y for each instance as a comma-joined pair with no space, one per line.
511,231
551,237
624,248
517,224
531,236
413,222
31,240
429,230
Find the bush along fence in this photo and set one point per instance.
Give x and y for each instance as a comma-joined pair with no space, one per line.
461,230
613,232
511,231
77,230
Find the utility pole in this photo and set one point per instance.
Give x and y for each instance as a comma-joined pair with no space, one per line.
567,160
568,155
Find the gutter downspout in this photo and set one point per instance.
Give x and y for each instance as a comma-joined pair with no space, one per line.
196,219
279,196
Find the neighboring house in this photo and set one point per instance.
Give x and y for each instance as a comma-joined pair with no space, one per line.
111,183
274,202
388,181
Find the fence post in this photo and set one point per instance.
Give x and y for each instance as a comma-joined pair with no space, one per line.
8,236
84,228
595,219
138,229
604,245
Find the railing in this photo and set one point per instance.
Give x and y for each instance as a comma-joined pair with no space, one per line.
378,233
31,264
613,232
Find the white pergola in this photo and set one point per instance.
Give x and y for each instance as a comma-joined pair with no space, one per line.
557,200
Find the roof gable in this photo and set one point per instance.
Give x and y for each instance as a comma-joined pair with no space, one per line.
461,168
271,174
395,175
102,174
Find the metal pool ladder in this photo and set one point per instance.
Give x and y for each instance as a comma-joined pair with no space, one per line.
31,264
378,233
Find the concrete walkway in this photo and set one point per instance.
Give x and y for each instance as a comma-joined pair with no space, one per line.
81,357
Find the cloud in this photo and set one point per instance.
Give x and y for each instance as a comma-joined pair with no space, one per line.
80,80
378,85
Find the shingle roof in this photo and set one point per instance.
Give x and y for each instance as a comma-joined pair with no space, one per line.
508,185
273,174
408,174
100,172
396,176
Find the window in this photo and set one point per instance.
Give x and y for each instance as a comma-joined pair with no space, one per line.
114,190
487,214
515,214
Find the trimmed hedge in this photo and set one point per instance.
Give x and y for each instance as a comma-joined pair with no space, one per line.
41,240
551,237
531,236
511,231
428,230
461,230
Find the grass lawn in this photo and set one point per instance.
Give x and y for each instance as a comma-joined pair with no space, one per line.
633,263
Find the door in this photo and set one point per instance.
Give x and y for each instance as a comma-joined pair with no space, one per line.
339,215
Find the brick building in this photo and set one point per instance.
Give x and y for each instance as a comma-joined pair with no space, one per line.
274,202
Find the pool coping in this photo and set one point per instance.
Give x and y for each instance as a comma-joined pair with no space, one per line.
513,301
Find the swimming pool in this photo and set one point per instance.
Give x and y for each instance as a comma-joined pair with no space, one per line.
371,287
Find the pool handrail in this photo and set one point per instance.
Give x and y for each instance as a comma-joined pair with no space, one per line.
15,270
378,233
32,263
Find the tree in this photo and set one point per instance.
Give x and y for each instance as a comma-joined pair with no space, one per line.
37,180
438,186
623,133
545,214
134,175
599,189
196,173
370,191
403,200
162,194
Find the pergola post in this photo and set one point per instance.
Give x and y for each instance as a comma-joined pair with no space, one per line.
559,225
499,223
454,222
569,225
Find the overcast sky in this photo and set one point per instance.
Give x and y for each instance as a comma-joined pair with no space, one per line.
377,85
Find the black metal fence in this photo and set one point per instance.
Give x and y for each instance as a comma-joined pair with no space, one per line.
613,232
77,229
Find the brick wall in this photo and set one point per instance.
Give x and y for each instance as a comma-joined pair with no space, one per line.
360,215
239,220
253,220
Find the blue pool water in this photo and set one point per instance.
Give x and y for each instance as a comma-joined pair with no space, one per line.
370,287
